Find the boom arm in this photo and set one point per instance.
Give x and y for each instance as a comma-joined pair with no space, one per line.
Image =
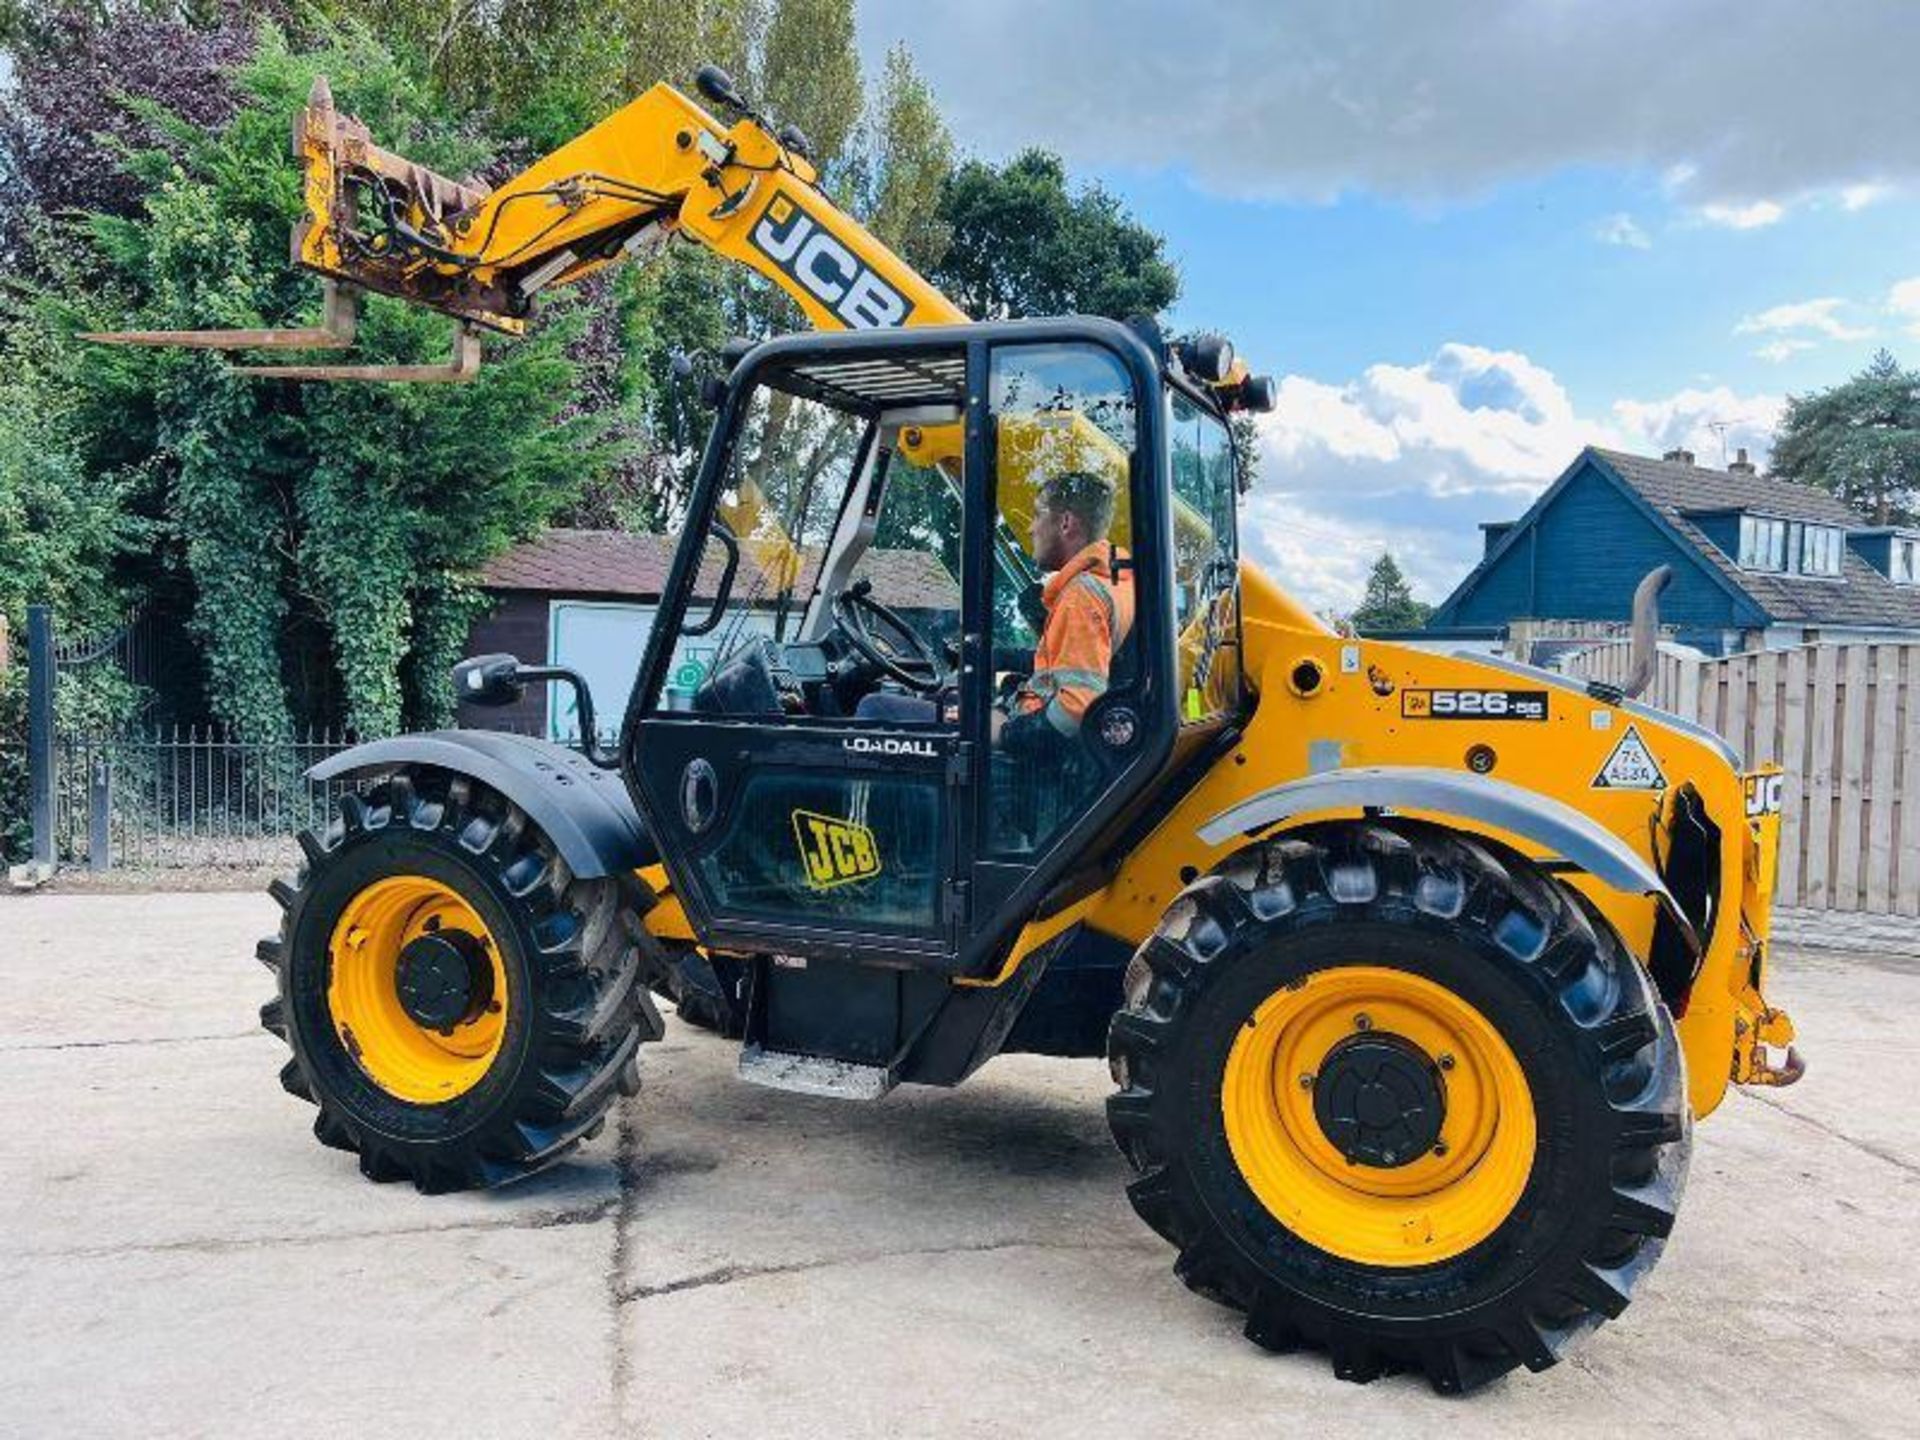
659,167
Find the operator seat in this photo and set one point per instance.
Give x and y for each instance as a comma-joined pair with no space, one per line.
743,685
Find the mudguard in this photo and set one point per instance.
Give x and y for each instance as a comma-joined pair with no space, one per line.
1555,827
583,809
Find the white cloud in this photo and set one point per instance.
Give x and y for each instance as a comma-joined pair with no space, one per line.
1778,350
1816,317
1713,423
1858,197
1737,102
1903,300
1754,215
1413,458
1622,229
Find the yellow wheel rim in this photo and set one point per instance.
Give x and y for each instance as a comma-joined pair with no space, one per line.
409,1060
1416,1212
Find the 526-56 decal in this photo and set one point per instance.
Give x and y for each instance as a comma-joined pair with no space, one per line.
1473,704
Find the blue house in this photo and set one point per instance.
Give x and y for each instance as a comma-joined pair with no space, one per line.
1758,562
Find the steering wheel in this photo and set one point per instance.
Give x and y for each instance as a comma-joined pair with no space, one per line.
897,649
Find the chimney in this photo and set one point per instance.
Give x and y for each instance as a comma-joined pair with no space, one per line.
1682,457
1740,465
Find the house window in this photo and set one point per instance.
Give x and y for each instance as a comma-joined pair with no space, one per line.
1821,549
1788,547
1904,565
1763,543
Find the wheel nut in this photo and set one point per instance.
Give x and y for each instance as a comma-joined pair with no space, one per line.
1440,1147
1363,1021
1306,1082
1446,1062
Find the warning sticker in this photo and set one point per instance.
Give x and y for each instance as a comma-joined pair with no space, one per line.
1631,766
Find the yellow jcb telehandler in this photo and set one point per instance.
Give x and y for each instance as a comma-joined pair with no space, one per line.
964,728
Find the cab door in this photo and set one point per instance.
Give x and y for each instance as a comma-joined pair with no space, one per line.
1084,730
805,804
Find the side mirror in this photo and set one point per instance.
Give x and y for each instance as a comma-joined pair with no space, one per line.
490,680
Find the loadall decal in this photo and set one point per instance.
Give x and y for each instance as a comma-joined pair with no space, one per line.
834,851
829,270
1473,704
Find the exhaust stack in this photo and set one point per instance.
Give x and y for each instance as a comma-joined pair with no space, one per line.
1645,650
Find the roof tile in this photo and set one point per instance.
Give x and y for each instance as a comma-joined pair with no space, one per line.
1862,596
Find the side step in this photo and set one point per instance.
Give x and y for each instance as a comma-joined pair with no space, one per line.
814,1074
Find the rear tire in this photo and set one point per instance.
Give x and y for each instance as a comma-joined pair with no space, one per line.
1602,1110
562,1040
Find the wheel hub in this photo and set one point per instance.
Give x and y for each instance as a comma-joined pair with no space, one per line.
1379,1101
443,979
1331,1075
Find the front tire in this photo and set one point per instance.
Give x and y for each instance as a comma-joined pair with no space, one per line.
1402,1098
461,1008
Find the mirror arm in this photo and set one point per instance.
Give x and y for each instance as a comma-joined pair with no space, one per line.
583,701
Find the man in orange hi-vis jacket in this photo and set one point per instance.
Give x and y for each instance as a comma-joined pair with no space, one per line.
1089,604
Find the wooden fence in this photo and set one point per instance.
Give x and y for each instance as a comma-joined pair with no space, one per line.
1844,721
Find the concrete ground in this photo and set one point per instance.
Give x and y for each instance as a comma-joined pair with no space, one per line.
179,1257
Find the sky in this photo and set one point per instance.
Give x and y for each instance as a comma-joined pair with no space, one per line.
1471,239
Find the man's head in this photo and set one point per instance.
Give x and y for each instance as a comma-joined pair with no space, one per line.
1071,512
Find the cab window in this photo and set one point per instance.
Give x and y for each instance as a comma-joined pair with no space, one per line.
1206,562
1065,432
843,602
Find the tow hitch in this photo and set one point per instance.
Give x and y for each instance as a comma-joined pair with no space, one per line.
1753,1063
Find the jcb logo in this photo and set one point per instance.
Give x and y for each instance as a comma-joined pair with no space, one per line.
802,247
1764,792
834,851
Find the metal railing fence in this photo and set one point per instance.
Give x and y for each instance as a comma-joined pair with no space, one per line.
187,797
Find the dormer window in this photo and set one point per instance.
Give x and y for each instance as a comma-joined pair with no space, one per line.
1763,543
1791,547
1821,550
1904,561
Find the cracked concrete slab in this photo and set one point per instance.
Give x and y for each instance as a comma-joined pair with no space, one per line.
438,1332
180,1257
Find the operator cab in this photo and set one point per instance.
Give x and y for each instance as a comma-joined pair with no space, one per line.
910,680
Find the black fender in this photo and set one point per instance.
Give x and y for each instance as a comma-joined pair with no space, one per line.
1553,825
584,810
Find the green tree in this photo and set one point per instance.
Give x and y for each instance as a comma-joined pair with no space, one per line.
902,169
1860,440
810,75
62,528
1389,603
1024,244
